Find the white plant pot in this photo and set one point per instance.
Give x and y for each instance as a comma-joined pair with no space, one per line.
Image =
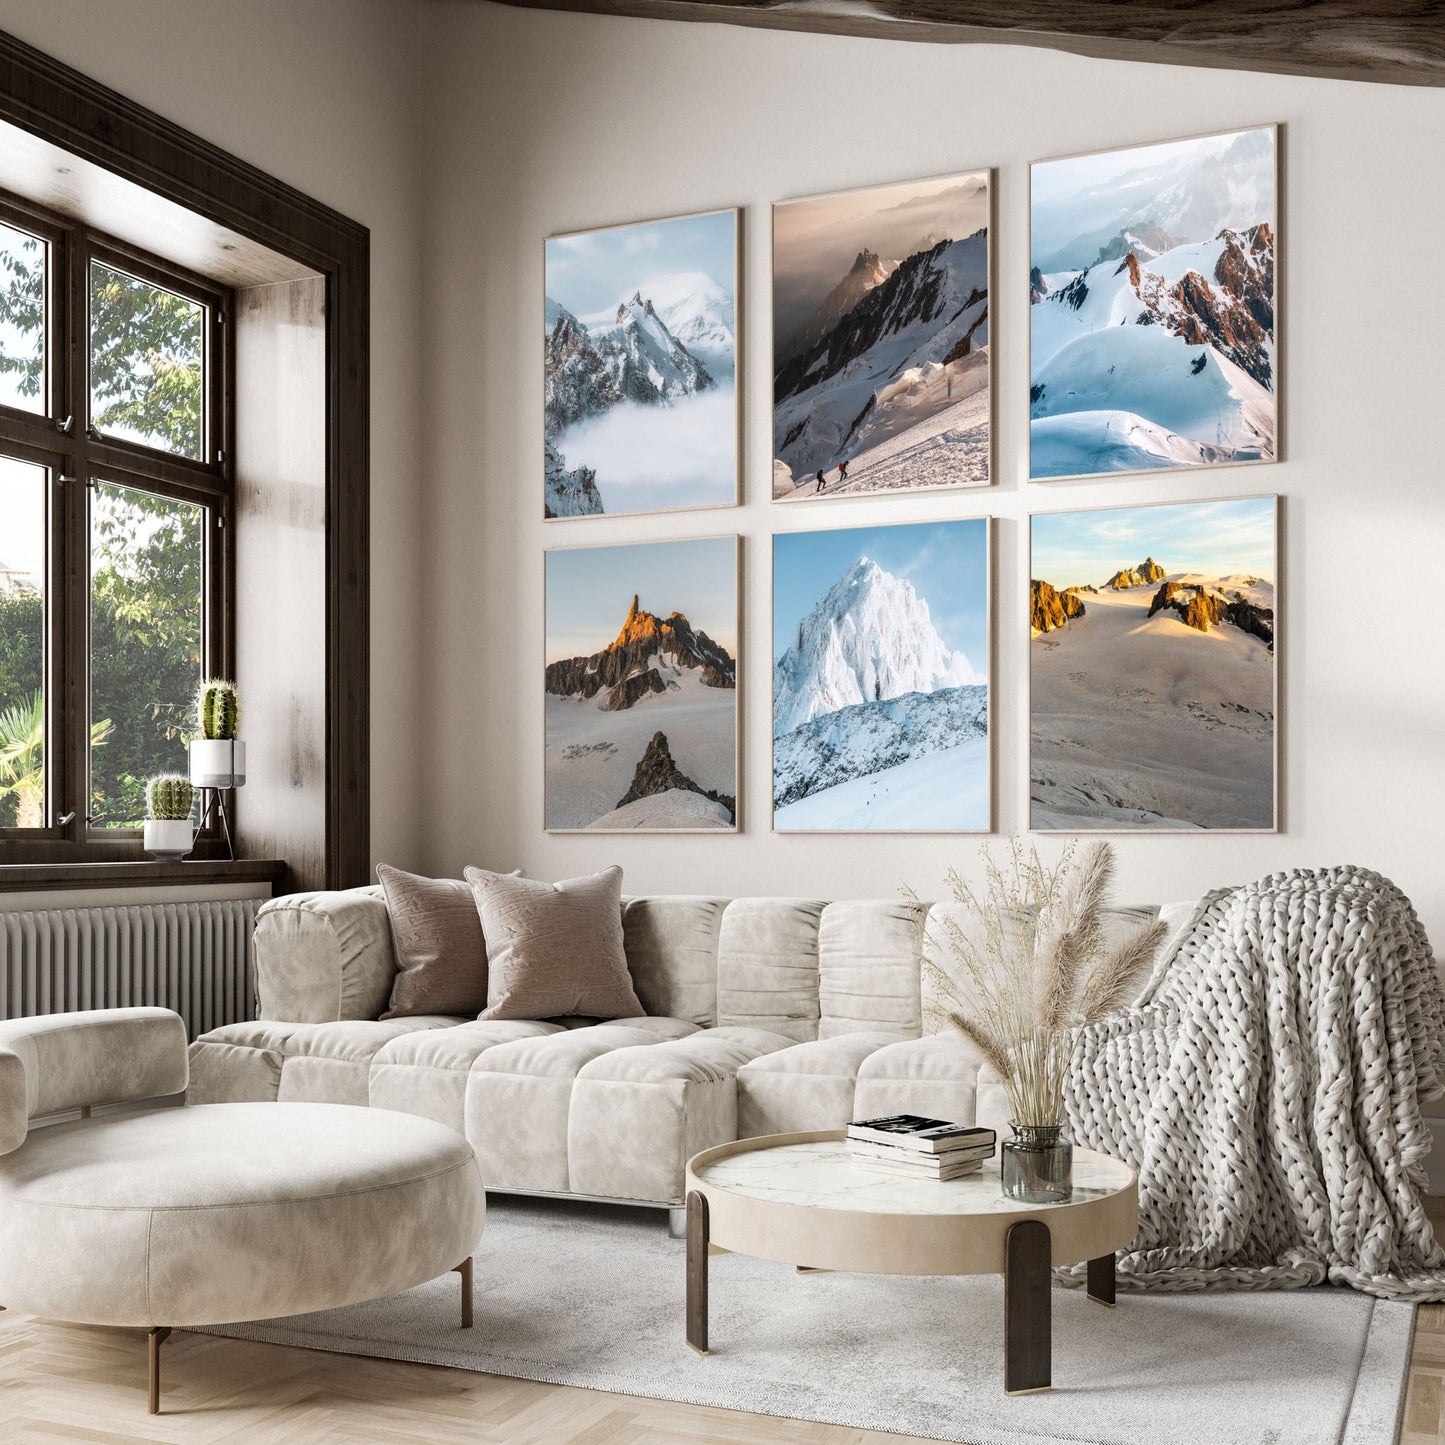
168,837
218,763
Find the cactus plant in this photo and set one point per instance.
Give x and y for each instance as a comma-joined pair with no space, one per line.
217,709
168,797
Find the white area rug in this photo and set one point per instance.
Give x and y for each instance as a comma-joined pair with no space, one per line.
586,1295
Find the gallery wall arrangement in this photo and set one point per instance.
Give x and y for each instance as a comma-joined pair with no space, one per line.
881,356
641,367
1152,315
1152,669
881,679
641,687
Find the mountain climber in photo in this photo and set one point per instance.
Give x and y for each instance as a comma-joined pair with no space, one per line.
819,487
843,471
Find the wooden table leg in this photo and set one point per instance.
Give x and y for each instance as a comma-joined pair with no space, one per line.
1027,1320
697,1272
1101,1280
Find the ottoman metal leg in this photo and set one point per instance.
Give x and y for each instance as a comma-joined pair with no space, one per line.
465,1270
697,1272
1027,1322
154,1340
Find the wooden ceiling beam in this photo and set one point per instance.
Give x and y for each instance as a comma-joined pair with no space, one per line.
1400,42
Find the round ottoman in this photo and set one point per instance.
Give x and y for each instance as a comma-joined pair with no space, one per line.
227,1212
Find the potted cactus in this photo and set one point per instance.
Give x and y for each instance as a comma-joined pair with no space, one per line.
218,757
168,816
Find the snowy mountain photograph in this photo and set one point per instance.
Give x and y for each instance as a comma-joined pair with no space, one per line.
881,679
641,728
1152,668
1152,306
881,358
640,346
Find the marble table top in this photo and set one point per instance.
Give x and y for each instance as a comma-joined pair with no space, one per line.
824,1174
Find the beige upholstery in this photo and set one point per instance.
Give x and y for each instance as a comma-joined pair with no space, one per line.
322,1063
61,1061
637,1115
672,945
767,971
809,1086
868,969
231,1212
936,1075
763,1015
324,956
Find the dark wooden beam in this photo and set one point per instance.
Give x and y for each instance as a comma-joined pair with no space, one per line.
1398,41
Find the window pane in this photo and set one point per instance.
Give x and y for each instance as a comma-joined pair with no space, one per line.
146,358
145,644
22,319
22,644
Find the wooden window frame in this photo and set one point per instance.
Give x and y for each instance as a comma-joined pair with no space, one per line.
70,110
79,458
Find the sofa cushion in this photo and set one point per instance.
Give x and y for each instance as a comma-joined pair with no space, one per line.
554,949
868,968
767,971
519,1095
936,1076
441,952
639,1114
314,1063
672,954
807,1086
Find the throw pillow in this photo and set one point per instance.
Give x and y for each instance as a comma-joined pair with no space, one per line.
441,952
554,949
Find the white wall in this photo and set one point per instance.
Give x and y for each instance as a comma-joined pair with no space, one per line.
322,94
536,123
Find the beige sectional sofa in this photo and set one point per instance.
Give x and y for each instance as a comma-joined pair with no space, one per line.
763,1015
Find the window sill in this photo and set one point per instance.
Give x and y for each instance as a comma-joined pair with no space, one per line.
46,877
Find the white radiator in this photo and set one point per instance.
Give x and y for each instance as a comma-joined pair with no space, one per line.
193,957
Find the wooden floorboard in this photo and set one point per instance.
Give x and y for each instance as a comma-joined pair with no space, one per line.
74,1383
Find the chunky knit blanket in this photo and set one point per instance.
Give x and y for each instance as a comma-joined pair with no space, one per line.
1267,1088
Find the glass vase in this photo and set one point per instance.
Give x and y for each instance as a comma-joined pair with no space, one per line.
1037,1164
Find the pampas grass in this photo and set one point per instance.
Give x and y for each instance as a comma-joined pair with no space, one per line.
1032,965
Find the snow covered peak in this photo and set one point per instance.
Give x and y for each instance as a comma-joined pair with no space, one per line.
870,638
698,311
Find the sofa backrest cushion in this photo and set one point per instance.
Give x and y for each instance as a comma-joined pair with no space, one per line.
672,951
767,966
868,968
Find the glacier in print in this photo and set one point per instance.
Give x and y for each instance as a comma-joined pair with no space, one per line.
878,721
881,339
640,360
1152,307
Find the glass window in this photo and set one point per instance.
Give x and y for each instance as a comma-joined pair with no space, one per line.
22,643
147,362
146,643
23,260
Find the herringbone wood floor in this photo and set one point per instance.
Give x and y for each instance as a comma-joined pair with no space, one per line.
69,1382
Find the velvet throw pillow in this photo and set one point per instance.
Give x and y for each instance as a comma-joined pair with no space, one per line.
441,952
554,950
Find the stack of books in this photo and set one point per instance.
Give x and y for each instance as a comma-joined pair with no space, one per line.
924,1148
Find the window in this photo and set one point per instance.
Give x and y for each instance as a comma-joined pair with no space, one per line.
115,492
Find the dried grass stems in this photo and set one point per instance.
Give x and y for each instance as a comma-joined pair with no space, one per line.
1024,960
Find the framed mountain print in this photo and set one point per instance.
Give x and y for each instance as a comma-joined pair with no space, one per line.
882,367
1152,316
1152,668
881,717
641,710
641,367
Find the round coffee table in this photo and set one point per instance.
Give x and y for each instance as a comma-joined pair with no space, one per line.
804,1200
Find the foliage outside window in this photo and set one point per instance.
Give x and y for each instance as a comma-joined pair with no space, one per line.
113,493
